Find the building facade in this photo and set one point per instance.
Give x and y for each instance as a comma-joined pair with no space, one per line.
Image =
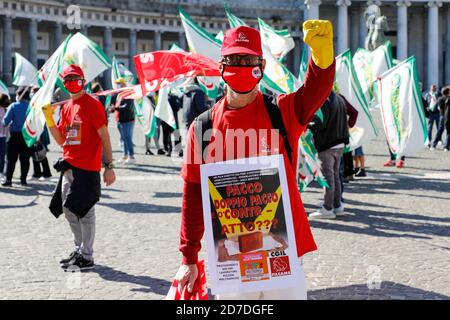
124,28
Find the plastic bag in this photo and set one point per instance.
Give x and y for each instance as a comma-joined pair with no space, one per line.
199,292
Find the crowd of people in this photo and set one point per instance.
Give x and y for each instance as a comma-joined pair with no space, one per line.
437,104
83,135
13,147
12,143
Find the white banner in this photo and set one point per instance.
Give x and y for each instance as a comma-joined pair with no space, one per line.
401,109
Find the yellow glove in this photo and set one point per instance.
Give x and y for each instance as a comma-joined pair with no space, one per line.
48,113
318,35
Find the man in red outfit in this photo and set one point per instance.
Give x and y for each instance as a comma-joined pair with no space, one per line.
242,108
83,134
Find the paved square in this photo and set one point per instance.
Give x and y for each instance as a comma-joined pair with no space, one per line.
393,243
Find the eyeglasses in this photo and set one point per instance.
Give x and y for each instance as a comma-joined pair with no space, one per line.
72,78
238,60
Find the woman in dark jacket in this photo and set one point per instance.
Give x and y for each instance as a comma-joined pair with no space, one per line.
16,147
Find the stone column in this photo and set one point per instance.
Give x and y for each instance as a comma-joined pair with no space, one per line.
132,49
447,48
433,42
182,40
107,48
416,31
313,8
7,50
362,28
157,40
32,41
342,30
354,30
57,35
297,54
84,29
402,29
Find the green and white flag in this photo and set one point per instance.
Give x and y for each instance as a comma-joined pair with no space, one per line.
86,54
118,70
401,108
371,64
280,42
4,88
235,21
220,36
45,70
25,74
347,84
202,42
145,116
303,65
308,163
35,121
80,51
277,78
163,110
76,49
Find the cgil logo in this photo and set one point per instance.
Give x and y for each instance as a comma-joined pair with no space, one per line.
242,37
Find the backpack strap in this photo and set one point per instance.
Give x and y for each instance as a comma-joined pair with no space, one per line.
202,130
203,126
277,122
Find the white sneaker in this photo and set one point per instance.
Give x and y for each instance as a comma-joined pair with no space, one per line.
130,160
432,148
322,213
122,160
339,211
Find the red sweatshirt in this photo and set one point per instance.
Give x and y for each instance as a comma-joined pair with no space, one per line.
297,110
351,112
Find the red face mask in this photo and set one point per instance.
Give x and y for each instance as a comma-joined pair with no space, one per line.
74,86
242,79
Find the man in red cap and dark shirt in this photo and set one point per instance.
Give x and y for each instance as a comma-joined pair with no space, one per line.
82,132
243,108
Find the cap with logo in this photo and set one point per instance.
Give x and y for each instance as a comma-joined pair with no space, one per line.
72,70
243,39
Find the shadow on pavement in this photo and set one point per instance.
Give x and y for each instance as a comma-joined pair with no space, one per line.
140,208
167,195
379,224
356,203
149,170
404,183
29,204
386,155
173,168
387,291
148,284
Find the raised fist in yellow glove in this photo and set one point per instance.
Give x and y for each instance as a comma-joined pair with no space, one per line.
318,35
48,113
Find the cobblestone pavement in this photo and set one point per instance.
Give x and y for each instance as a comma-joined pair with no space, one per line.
393,242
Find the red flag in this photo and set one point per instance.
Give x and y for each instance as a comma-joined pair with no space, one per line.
199,292
158,69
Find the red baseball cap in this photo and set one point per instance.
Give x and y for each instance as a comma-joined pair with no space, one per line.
242,39
72,70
